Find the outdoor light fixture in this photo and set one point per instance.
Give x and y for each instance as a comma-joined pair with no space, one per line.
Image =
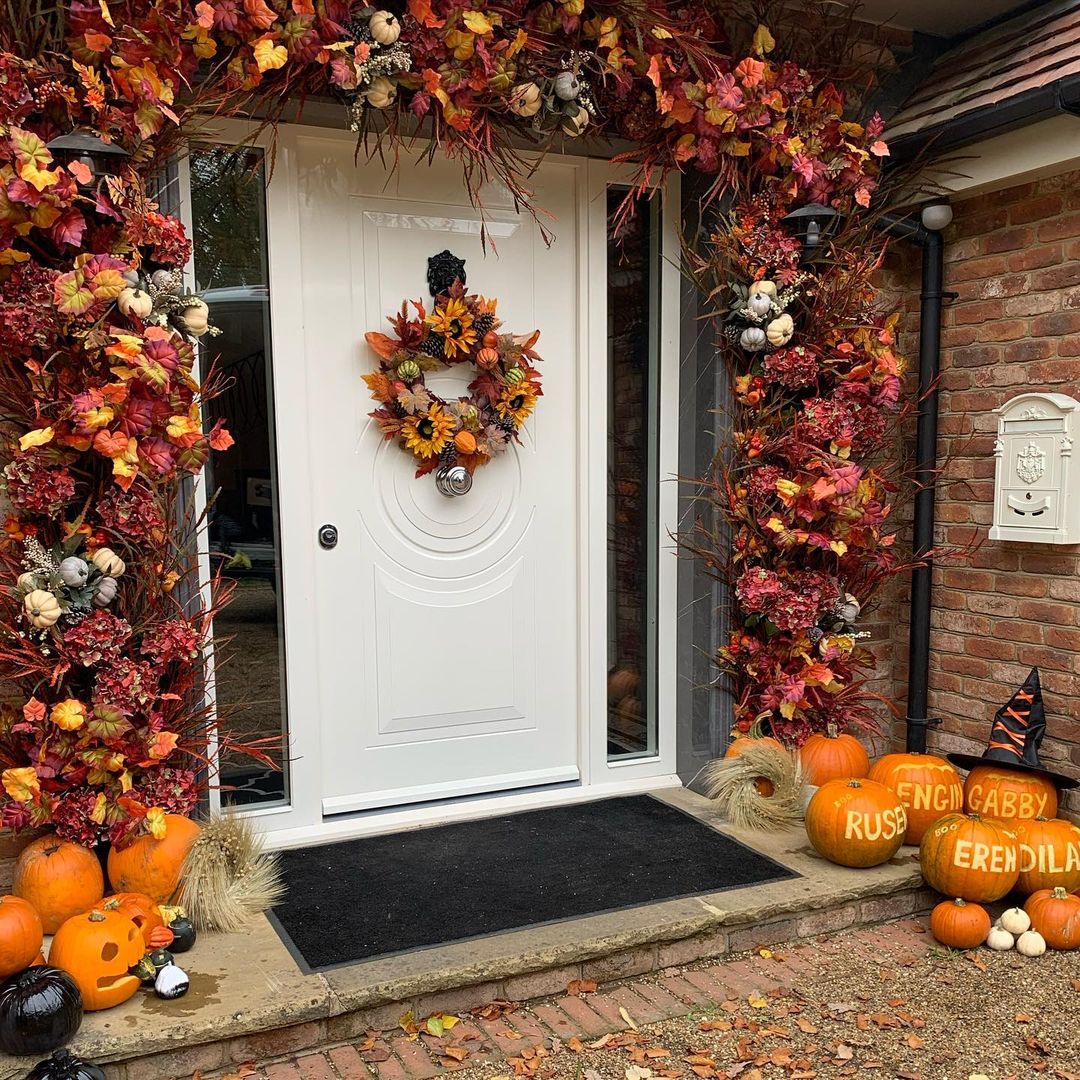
936,215
809,223
86,147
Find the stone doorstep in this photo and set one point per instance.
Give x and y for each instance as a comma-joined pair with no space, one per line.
249,1001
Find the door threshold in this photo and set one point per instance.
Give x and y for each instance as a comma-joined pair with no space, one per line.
422,815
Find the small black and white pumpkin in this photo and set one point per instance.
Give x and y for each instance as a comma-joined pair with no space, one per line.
171,982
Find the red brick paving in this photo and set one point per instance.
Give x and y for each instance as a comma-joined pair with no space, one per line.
646,999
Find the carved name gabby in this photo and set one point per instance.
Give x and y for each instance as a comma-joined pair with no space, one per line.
991,801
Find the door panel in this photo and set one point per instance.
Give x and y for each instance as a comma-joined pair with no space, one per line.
447,629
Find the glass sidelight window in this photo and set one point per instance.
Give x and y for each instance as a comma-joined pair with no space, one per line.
633,313
230,257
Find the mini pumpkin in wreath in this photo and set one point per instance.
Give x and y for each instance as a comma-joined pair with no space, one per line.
467,432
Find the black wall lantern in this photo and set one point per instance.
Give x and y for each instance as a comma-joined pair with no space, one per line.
809,223
82,145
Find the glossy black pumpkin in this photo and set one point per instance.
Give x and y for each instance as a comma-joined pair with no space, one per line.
63,1066
184,933
40,1009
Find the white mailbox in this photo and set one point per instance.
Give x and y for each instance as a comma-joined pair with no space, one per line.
1036,483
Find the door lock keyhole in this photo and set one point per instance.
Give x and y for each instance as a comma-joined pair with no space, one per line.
328,536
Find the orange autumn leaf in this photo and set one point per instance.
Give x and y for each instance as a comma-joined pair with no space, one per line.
383,345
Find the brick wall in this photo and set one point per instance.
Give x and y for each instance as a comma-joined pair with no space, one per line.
1014,258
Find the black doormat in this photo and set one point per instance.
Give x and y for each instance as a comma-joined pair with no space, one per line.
412,890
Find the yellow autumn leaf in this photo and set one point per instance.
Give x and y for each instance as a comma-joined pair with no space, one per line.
788,488
105,13
37,437
21,784
11,256
775,525
69,715
269,56
764,42
839,547
477,22
125,781
97,815
155,821
179,426
787,711
756,1001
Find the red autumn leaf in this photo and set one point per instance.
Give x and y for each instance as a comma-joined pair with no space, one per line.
80,171
220,439
110,443
259,15
383,346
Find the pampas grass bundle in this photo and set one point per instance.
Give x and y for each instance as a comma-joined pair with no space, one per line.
228,878
761,788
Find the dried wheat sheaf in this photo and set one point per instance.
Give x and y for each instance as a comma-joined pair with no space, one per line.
762,788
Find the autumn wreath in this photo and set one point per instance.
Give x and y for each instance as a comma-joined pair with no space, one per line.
468,431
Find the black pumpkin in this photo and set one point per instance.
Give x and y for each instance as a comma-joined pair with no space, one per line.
40,1009
63,1066
184,932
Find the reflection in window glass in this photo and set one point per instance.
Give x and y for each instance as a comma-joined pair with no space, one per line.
229,228
633,432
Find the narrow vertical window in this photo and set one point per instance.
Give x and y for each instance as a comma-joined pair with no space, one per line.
633,478
229,229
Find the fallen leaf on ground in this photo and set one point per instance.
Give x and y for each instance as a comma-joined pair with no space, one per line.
806,1027
578,987
915,1042
576,1045
636,1072
756,1001
628,1020
1024,1018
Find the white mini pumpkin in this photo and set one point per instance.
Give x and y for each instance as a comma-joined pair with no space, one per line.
42,608
1031,943
779,331
105,592
135,302
575,122
196,318
999,939
753,339
1016,920
767,287
381,93
759,304
27,581
384,27
74,571
164,280
131,277
108,562
526,99
567,86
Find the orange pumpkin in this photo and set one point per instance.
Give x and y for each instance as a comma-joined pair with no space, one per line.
142,911
737,746
96,949
153,866
1056,915
59,879
856,822
928,786
20,935
621,682
971,857
959,925
1049,855
1009,795
833,756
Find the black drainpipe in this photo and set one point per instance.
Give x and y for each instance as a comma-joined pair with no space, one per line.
925,469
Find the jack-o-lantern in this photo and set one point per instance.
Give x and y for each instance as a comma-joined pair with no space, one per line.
1049,855
96,949
971,857
855,822
1009,794
928,786
143,912
152,866
835,755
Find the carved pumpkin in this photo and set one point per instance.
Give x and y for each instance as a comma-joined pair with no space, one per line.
96,949
833,756
526,99
384,27
153,866
856,822
1049,855
780,330
59,879
959,925
1056,915
42,608
1009,795
20,935
135,302
971,857
928,786
143,912
108,562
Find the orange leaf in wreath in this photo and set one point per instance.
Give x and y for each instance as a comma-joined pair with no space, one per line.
384,346
382,389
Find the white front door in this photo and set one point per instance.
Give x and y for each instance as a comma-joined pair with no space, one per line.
446,629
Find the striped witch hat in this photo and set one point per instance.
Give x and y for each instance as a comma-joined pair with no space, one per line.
1019,727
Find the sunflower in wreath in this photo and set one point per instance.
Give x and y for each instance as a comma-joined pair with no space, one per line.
470,430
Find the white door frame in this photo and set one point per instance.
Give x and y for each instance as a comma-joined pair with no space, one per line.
301,821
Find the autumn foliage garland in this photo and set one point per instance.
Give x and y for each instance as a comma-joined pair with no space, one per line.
107,731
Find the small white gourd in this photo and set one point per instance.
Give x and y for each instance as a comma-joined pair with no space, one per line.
567,86
27,581
381,93
163,280
73,571
574,123
108,562
759,304
196,318
171,982
1016,920
384,27
767,287
42,609
105,592
1031,943
753,339
526,99
779,331
999,939
135,302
